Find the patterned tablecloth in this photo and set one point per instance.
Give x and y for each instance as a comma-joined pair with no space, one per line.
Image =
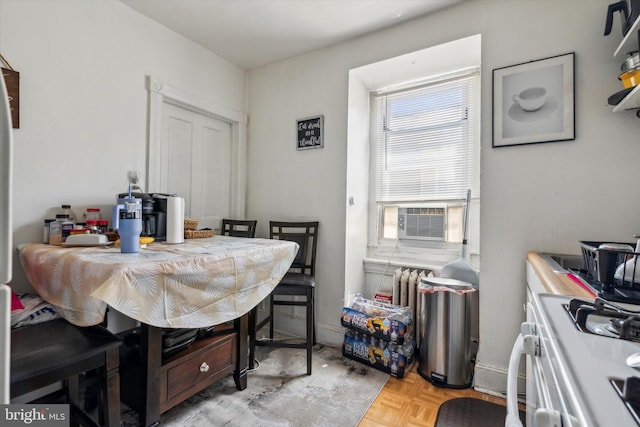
199,283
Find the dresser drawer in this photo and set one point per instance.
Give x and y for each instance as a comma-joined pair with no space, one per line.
203,363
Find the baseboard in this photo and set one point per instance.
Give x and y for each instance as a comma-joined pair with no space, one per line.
493,380
331,335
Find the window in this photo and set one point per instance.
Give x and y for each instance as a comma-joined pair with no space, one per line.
425,148
373,248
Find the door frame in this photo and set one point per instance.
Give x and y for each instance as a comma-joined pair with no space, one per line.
160,93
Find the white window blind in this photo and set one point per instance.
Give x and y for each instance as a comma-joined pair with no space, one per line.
424,140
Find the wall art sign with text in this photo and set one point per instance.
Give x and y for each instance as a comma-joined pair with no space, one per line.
534,102
310,133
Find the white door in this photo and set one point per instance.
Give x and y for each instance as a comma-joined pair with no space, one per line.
195,158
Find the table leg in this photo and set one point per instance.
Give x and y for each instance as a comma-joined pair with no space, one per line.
152,361
253,313
241,325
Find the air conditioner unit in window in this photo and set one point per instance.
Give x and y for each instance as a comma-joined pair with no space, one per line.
422,223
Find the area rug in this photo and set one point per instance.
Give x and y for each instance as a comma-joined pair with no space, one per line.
471,412
280,394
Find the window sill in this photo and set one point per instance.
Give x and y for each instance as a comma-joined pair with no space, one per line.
385,259
382,266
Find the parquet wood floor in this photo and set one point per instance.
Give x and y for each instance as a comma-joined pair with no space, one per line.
413,402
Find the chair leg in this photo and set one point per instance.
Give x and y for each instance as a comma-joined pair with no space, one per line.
110,389
311,337
91,396
73,394
73,389
313,315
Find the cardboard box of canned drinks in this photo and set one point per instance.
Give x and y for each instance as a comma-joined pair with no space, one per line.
394,359
381,320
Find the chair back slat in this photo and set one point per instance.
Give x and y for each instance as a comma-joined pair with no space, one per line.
239,228
305,234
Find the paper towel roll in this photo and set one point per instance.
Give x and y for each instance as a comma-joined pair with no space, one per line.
175,220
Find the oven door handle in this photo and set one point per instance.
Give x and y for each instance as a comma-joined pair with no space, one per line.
513,417
528,345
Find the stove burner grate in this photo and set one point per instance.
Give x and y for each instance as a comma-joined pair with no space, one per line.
628,328
623,323
629,392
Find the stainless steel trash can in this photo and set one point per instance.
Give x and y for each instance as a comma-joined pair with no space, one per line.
445,331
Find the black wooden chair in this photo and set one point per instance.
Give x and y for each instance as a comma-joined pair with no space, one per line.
57,351
239,228
299,281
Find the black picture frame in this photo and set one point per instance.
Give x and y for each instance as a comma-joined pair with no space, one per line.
534,102
310,132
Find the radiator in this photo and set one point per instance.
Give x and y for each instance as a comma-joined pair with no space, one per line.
405,293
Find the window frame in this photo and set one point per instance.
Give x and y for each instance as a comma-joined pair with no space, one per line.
386,248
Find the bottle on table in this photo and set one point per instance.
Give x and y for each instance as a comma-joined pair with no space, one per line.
60,229
66,210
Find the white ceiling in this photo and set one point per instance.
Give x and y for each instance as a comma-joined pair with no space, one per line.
254,33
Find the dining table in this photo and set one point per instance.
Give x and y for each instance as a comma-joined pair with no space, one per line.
196,284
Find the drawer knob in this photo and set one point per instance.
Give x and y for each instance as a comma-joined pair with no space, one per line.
204,367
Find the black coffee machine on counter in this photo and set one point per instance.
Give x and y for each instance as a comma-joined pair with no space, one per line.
154,214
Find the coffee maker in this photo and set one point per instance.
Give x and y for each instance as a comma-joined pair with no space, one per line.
154,213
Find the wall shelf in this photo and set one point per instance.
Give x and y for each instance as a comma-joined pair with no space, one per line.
629,102
629,44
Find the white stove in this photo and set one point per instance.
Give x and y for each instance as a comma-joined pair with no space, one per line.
574,377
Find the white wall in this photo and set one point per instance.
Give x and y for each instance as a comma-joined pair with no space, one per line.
542,197
83,100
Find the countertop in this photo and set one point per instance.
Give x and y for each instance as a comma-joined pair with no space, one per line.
556,282
574,369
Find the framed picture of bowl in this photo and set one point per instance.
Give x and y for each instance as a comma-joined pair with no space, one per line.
534,102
